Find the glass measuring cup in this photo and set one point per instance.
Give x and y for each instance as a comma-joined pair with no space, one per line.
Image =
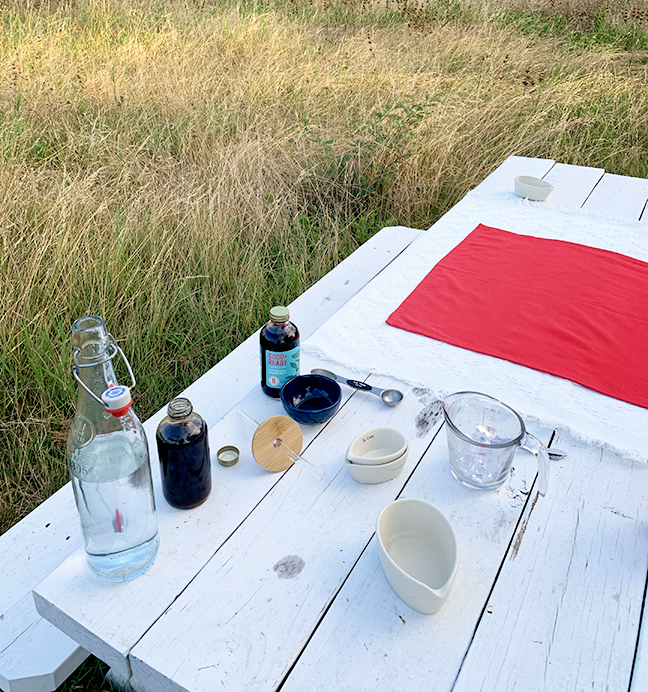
483,436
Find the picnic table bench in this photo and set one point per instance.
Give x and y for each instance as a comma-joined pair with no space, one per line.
518,623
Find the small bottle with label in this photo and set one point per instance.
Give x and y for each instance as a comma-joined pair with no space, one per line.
279,351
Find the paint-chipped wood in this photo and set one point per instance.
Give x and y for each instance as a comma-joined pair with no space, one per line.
261,596
371,640
565,611
280,584
48,536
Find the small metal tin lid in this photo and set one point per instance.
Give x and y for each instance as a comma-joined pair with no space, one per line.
228,455
279,313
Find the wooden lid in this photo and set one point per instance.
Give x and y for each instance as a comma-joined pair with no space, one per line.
269,455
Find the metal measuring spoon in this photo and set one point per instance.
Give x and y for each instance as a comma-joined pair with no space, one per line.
391,397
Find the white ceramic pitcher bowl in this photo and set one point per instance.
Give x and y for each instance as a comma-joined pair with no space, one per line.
418,551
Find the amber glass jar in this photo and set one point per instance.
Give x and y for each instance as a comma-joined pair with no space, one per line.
183,449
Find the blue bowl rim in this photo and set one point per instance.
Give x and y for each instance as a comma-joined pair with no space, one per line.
312,376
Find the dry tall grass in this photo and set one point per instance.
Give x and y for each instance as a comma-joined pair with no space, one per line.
178,167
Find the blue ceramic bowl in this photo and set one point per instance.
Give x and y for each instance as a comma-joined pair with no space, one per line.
311,399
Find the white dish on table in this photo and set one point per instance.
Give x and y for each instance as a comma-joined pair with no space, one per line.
418,551
377,446
532,188
376,473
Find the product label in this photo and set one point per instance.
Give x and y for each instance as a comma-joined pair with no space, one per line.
281,366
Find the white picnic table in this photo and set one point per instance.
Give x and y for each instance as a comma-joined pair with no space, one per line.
275,582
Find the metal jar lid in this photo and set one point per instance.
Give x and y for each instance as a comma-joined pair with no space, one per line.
228,455
279,313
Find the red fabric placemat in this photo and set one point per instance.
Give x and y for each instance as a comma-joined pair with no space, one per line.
566,309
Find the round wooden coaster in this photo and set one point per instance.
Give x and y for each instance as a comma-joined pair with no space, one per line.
269,455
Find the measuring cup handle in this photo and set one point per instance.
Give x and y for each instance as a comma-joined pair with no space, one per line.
532,444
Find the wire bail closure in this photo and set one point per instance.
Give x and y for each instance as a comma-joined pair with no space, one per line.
113,350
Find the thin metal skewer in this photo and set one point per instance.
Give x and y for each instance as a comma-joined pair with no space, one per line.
290,453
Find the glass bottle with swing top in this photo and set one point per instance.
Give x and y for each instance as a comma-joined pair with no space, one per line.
108,458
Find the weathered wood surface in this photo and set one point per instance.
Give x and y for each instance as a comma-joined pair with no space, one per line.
44,539
371,640
109,618
619,196
34,656
501,179
563,613
640,672
572,184
37,657
525,591
566,608
235,374
576,187
289,558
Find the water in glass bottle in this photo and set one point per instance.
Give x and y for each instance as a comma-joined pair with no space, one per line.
108,458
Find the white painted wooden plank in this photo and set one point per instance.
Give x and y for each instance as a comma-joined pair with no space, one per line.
33,655
371,640
35,546
619,196
640,672
38,658
644,214
572,184
43,540
564,614
242,621
501,179
237,597
107,619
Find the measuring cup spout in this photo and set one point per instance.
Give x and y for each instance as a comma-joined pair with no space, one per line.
532,444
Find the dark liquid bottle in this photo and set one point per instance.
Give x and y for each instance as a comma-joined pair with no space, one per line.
279,340
183,449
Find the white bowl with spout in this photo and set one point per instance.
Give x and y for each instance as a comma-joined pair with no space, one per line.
418,551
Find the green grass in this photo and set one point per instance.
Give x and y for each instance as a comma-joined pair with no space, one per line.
179,167
89,677
600,33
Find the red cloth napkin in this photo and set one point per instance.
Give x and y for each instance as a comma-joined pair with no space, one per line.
566,309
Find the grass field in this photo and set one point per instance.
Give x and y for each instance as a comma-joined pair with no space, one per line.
179,167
